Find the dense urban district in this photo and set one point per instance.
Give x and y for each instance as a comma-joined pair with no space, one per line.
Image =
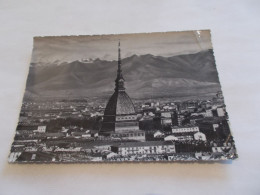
70,131
122,129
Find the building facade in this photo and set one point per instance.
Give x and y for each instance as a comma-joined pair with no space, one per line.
185,129
151,147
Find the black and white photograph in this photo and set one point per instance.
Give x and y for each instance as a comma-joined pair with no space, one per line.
123,98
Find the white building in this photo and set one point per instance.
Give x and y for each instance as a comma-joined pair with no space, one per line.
185,137
220,112
41,129
151,114
129,135
166,114
166,118
185,129
170,138
215,126
209,113
96,157
158,134
14,156
151,147
221,149
166,121
200,136
86,135
110,155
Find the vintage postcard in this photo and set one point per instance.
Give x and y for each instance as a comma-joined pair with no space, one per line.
126,97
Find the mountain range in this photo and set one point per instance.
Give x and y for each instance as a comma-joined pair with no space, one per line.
146,76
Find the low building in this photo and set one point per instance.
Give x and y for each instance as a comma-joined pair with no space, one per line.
200,136
220,112
166,114
186,136
55,135
206,104
28,129
218,99
222,149
14,156
166,118
110,155
138,135
209,113
151,147
81,134
185,129
24,129
180,119
77,149
40,129
194,118
166,121
96,157
214,128
170,138
158,134
35,157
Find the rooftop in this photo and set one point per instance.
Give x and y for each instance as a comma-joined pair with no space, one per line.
31,128
182,127
119,104
149,143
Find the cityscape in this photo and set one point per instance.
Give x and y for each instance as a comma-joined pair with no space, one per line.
118,128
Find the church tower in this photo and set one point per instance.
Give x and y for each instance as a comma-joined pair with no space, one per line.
120,118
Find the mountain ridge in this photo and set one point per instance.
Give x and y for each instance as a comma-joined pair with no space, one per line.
145,75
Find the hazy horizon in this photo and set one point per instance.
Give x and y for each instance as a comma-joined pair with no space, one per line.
146,76
72,48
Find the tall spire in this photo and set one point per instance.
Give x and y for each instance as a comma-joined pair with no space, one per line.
119,54
119,71
119,79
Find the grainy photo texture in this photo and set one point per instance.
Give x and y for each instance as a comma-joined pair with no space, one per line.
126,97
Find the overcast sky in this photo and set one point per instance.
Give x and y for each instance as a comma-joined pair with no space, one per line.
71,48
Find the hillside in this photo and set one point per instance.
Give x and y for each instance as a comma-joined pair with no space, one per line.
146,76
